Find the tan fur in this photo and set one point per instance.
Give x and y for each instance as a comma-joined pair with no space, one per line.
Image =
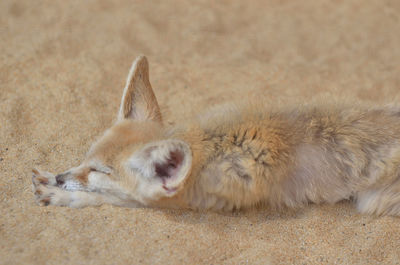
236,157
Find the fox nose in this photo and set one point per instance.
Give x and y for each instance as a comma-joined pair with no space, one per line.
60,179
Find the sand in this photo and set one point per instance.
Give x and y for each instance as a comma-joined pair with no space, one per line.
62,70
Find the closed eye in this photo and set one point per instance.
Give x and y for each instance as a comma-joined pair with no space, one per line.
100,170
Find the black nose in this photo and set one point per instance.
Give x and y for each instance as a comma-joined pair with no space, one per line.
60,179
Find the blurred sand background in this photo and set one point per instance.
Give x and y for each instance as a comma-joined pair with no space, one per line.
62,70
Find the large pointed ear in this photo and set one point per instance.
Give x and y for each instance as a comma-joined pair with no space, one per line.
164,166
138,101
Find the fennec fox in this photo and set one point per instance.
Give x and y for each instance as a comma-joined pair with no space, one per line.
235,159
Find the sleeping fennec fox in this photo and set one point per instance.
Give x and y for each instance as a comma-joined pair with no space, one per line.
235,158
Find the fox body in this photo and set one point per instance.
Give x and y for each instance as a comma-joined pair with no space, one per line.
235,157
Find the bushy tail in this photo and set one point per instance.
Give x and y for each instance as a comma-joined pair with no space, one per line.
384,201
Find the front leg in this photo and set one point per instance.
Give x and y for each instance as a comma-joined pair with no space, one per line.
47,192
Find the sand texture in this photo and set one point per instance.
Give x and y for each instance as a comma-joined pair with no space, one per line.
63,66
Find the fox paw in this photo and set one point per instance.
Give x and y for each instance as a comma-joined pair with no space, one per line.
43,188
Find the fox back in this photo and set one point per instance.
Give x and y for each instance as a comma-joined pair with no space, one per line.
235,157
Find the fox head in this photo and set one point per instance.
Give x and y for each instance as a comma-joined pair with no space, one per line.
133,154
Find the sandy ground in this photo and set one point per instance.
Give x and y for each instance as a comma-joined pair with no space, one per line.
62,69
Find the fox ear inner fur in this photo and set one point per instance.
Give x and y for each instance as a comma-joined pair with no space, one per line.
163,164
138,100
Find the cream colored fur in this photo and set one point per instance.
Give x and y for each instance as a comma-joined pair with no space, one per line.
235,157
